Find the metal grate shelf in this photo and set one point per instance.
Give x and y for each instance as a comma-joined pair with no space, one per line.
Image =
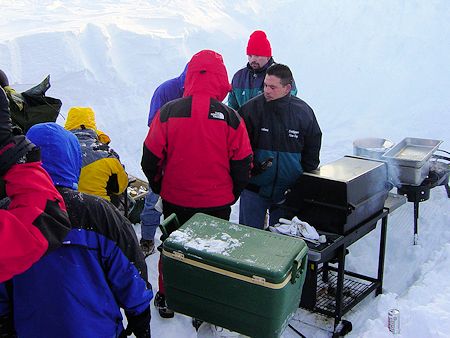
354,290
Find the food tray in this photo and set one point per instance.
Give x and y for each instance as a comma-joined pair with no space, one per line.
371,147
412,152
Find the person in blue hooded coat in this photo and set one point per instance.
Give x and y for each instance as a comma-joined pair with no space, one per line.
150,217
78,290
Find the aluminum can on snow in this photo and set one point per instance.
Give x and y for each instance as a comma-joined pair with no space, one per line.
394,321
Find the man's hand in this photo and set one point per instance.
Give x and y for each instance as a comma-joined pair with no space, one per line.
139,325
260,167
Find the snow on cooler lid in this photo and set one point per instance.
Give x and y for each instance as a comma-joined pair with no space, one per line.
236,246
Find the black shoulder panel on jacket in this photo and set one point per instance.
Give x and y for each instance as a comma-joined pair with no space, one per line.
176,108
219,111
96,214
54,234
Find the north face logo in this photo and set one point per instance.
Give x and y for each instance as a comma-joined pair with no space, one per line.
217,115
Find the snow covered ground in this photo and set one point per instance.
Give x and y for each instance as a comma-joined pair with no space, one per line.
368,69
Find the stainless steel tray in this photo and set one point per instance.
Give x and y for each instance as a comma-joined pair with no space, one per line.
412,152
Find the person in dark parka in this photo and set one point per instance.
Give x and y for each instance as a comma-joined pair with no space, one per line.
248,82
286,141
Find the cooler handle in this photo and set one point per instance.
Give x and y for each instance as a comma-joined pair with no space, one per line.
165,226
299,264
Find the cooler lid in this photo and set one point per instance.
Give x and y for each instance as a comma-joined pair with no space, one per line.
239,251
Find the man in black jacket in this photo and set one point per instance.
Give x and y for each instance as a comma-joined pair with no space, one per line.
285,139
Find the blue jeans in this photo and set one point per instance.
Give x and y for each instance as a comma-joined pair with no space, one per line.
253,209
150,217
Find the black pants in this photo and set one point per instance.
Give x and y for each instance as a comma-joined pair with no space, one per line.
184,214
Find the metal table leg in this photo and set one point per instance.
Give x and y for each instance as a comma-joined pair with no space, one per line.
340,285
416,222
381,256
325,272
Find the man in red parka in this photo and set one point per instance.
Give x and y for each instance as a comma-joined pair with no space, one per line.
36,220
197,153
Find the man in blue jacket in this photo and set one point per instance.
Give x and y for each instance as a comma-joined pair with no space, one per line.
285,138
79,289
248,81
150,217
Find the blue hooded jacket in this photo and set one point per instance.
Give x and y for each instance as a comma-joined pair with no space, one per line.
56,143
167,91
79,289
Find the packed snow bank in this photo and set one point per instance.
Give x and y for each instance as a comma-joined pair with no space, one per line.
368,69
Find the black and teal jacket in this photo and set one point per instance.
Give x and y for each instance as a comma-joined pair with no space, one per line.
248,83
287,131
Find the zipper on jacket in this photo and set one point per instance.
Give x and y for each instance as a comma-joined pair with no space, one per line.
277,117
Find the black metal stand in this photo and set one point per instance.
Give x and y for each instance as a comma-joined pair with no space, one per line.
333,291
420,193
416,195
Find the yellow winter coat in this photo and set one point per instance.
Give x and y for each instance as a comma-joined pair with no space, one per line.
102,173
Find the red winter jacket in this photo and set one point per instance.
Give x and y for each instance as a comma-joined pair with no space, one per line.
36,220
197,152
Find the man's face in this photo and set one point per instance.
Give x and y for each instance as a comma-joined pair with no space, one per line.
257,62
273,89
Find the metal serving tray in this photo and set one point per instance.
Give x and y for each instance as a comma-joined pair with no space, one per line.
409,160
412,152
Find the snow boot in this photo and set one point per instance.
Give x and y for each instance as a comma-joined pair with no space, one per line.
196,323
147,246
161,306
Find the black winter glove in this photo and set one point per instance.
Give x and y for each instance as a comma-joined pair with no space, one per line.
260,167
7,327
18,149
155,186
139,325
13,148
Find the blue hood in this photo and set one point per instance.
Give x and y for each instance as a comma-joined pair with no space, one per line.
60,152
167,91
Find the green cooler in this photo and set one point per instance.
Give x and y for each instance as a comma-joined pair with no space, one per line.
244,279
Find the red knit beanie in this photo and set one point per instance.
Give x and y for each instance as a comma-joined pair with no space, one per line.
259,45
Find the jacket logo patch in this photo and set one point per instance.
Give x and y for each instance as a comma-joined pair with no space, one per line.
265,129
217,115
293,133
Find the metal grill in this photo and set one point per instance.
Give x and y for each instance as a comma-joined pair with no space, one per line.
354,288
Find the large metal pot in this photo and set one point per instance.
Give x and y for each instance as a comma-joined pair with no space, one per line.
371,147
